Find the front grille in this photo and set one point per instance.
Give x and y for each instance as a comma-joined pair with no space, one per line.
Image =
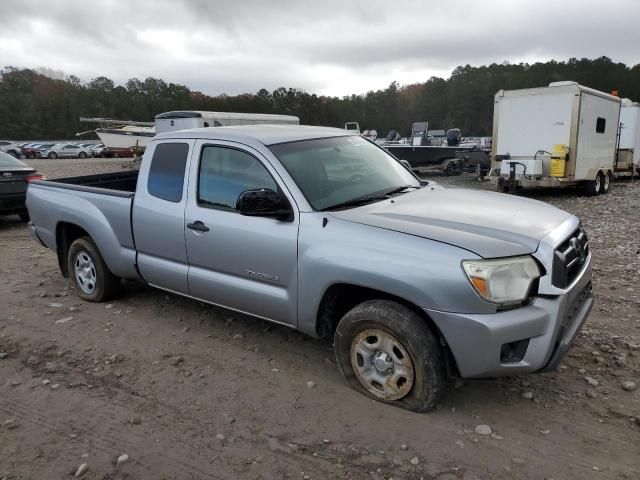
569,258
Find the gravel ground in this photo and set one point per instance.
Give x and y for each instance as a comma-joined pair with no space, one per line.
189,391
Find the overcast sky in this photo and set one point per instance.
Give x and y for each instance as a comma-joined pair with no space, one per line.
322,46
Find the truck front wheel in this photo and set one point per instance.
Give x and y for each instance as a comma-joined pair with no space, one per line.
91,276
386,351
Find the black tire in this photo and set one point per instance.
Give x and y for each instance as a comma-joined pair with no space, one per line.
593,187
24,217
450,169
605,185
107,284
82,155
52,155
411,331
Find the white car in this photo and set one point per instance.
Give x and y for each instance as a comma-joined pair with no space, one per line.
10,148
65,151
98,150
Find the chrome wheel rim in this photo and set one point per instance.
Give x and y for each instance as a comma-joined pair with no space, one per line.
607,180
598,183
85,272
382,364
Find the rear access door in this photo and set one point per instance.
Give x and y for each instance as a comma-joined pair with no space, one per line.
158,215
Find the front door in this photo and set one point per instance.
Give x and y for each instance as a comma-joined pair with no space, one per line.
240,262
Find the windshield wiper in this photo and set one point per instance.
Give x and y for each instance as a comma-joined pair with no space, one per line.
399,189
368,198
356,202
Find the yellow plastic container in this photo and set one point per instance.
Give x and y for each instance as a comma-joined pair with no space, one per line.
558,160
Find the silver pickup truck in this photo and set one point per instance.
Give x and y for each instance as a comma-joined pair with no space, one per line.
323,231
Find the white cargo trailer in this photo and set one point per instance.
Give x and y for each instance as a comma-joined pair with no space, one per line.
629,143
556,136
183,120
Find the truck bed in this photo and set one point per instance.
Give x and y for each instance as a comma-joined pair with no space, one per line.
98,204
117,183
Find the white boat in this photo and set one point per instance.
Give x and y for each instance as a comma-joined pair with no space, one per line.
121,134
127,136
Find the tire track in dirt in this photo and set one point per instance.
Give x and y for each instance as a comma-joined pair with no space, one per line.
102,435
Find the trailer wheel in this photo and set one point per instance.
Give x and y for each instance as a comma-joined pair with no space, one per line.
450,169
607,178
593,187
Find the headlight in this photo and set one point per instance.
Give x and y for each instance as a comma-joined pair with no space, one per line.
505,281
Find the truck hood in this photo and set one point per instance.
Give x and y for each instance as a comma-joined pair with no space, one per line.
488,224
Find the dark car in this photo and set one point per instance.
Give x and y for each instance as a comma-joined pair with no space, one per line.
14,180
30,150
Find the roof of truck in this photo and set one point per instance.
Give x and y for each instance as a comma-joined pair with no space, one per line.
265,134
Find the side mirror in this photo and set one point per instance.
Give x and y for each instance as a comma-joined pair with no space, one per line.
263,202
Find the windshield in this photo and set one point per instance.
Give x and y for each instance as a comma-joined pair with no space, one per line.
334,171
7,160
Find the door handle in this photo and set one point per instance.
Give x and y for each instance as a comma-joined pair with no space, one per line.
198,226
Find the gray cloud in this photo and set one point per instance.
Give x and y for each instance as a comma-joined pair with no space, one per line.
332,47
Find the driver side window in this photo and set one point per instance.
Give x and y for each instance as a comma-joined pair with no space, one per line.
225,173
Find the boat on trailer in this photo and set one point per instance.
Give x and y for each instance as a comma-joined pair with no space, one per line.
121,134
127,135
438,151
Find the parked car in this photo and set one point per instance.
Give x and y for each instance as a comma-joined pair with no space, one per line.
14,179
30,150
42,147
98,150
65,151
323,231
10,148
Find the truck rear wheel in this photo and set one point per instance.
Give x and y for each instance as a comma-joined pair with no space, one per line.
91,276
386,351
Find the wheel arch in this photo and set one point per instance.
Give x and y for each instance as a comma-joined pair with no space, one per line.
339,298
66,234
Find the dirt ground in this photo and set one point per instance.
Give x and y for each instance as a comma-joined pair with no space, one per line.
190,391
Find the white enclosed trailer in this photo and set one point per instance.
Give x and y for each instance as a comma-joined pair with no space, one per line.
183,120
556,136
629,144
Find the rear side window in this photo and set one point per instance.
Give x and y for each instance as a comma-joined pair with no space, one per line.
601,124
166,174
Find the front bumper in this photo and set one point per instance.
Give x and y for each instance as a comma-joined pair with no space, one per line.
550,323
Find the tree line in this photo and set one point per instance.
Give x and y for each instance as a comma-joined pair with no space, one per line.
36,106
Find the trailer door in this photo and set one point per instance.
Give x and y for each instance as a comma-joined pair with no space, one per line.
597,131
